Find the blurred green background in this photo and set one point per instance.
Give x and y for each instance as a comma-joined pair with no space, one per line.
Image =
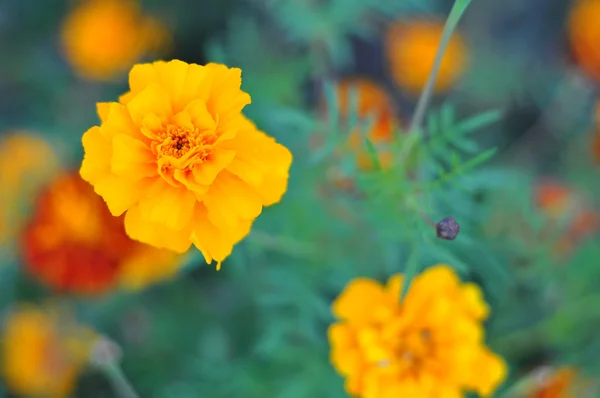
258,327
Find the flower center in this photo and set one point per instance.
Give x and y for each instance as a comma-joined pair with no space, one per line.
180,142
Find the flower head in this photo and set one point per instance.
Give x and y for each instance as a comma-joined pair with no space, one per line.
73,244
43,352
558,200
104,38
411,48
27,163
584,33
179,158
429,346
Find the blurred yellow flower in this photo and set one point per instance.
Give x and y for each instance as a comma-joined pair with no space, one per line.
430,346
43,352
74,245
104,38
27,163
179,158
584,35
411,47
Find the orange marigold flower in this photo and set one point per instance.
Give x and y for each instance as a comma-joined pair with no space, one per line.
179,158
27,163
556,200
73,244
373,102
104,38
429,346
558,384
411,47
43,352
584,34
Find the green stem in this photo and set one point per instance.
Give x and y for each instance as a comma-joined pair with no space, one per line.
119,381
456,13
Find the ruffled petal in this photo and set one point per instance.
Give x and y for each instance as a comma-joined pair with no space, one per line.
230,201
172,207
98,151
141,229
132,159
153,100
358,300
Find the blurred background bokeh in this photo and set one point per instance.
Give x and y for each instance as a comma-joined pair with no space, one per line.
522,76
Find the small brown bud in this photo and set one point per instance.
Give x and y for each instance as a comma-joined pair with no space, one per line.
447,228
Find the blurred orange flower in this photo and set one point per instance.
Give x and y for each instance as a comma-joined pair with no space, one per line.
74,245
104,38
373,101
558,384
411,47
584,35
179,158
429,346
556,200
43,352
27,163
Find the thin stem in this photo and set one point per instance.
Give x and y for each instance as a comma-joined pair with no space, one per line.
119,381
456,13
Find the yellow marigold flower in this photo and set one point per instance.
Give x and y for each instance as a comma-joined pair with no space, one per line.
584,34
411,48
177,155
43,352
104,38
430,346
27,163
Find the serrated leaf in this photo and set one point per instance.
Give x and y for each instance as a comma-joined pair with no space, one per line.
477,122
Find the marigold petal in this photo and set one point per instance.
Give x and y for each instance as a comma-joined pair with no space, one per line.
346,361
152,100
173,207
147,266
341,335
173,76
225,95
357,301
102,108
119,193
195,84
141,76
261,162
140,228
118,121
215,244
200,116
474,302
491,371
230,200
132,159
205,173
98,150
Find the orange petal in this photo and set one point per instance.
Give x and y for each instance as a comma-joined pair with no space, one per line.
118,121
141,76
98,151
230,200
358,300
153,100
140,228
214,243
173,77
132,159
206,172
173,207
225,93
200,116
102,109
119,193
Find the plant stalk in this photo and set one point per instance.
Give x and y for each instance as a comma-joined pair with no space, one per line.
456,13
